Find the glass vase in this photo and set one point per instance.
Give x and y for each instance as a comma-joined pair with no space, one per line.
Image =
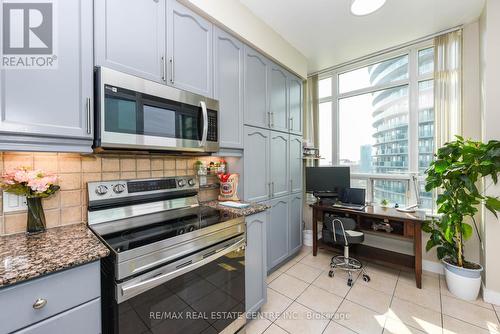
36,216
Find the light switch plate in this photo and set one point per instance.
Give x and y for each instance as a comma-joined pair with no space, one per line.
13,203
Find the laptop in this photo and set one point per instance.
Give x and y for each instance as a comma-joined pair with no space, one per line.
352,198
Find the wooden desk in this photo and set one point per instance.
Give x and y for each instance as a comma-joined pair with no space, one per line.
406,225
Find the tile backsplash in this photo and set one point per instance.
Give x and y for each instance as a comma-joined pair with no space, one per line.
69,205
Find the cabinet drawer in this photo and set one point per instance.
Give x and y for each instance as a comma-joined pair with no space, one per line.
62,291
84,319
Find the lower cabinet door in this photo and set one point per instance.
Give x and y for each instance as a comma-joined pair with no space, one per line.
83,319
295,222
256,262
277,232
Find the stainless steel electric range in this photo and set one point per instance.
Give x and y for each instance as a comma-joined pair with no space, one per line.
175,266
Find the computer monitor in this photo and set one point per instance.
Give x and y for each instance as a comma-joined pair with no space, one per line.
327,180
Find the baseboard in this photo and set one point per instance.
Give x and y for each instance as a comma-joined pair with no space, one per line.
433,267
490,296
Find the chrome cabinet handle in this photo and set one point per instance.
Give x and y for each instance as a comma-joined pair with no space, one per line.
291,123
39,303
269,189
88,115
171,70
164,68
272,187
269,118
272,119
205,124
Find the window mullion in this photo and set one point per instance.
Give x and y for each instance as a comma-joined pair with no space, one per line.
413,113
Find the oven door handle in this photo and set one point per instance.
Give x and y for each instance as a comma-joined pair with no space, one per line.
134,289
204,135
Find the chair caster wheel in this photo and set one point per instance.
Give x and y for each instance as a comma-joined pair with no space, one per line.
349,282
330,273
366,278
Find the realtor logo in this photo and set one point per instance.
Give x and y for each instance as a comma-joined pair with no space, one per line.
28,35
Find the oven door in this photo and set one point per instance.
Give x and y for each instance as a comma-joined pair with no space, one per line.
141,114
203,292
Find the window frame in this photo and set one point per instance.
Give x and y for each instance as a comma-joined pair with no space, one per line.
413,80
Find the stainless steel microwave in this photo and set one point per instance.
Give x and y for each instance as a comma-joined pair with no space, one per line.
138,114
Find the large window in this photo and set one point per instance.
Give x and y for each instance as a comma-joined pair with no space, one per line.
382,116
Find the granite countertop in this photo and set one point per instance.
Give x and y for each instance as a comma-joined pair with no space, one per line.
24,257
250,210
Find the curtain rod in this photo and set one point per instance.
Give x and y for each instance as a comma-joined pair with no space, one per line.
378,53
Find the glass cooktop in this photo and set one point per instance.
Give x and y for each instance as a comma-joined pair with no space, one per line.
144,235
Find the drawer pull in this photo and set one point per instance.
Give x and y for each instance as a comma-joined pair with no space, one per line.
39,303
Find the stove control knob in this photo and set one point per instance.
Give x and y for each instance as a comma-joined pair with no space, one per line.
101,190
181,183
119,188
191,182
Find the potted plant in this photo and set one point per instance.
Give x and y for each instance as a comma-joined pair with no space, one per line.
35,185
458,166
384,203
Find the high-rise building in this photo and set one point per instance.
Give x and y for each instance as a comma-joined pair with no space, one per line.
390,123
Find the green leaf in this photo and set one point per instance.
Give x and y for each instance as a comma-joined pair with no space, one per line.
440,166
442,252
493,202
430,244
466,231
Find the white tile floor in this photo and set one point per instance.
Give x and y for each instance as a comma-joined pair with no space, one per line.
302,299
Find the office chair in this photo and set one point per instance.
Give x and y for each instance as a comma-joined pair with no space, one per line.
340,231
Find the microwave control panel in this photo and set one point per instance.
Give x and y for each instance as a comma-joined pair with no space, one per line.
212,126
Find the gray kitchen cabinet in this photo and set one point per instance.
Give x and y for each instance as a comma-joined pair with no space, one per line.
83,319
295,104
278,98
129,42
256,106
256,164
228,87
189,50
61,292
279,164
50,109
295,163
256,261
295,223
277,232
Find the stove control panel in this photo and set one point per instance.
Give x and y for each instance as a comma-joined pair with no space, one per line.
128,188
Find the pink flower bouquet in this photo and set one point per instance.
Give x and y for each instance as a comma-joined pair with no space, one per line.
24,181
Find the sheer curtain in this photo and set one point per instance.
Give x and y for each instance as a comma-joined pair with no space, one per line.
448,87
311,107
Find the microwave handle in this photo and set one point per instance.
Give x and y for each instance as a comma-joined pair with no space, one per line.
205,124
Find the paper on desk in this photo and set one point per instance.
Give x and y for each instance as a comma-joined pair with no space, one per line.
232,204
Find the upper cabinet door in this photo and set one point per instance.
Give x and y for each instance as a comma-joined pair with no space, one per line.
295,104
255,90
295,163
256,165
189,50
228,87
130,37
57,101
278,98
279,164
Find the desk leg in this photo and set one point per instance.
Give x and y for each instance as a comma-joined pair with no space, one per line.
418,254
315,231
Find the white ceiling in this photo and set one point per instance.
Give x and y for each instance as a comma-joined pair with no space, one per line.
327,33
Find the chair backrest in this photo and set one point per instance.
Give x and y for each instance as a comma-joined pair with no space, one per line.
348,223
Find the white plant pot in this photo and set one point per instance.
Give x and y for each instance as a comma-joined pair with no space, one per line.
463,283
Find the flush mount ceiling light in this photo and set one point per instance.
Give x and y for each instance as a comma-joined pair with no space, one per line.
365,7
